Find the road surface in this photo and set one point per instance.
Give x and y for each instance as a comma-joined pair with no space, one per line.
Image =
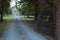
19,30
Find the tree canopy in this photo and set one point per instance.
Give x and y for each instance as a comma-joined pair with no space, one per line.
28,7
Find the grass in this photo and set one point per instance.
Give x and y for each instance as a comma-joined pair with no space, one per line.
30,22
26,18
6,19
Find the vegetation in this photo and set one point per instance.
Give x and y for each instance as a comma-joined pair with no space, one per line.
4,24
27,19
4,8
41,10
28,8
6,20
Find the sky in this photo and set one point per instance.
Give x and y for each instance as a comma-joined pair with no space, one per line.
12,3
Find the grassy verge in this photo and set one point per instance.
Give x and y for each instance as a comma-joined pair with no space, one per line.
6,19
26,18
30,22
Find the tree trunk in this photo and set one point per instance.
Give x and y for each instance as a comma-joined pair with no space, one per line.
27,16
1,19
36,11
35,16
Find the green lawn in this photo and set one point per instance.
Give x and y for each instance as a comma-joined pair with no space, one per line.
30,22
26,18
6,19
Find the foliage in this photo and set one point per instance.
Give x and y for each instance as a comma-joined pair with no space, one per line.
28,8
10,11
6,6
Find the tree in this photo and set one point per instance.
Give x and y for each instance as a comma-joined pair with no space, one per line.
4,4
28,8
1,11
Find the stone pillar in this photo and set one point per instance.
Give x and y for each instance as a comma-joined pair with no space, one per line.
57,3
58,23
